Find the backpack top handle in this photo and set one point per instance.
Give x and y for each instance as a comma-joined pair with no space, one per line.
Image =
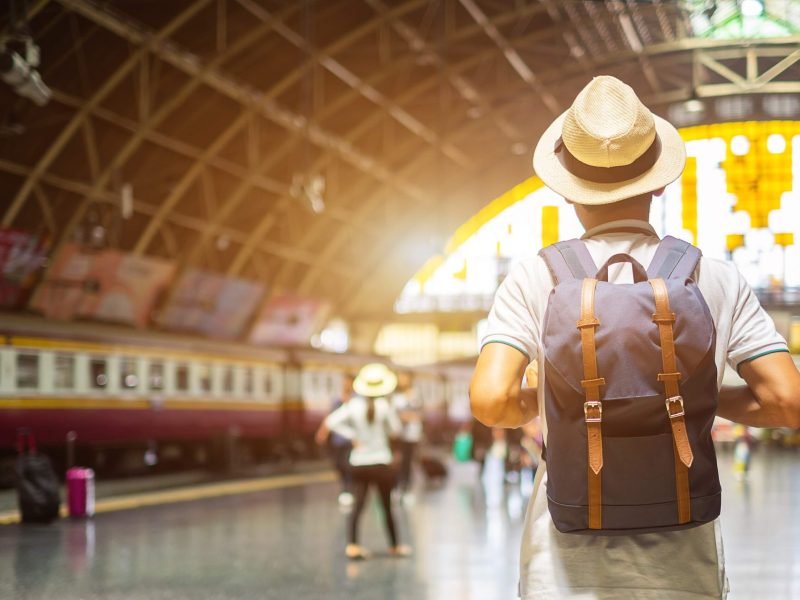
639,272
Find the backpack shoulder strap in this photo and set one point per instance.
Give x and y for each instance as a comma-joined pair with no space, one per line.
568,260
674,259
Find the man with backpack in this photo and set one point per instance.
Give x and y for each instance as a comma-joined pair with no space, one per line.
632,335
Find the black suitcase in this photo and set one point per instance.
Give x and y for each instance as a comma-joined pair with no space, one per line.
38,493
433,468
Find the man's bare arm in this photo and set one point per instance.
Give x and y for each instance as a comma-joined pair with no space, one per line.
496,393
771,397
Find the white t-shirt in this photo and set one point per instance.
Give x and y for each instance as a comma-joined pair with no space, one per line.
674,565
372,439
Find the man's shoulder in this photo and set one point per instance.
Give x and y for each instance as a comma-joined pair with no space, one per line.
531,271
721,271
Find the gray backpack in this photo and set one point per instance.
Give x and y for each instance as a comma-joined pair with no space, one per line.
631,393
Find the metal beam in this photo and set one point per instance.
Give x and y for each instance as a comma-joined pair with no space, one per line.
33,10
345,75
512,56
258,181
244,95
195,224
350,38
168,143
44,206
187,180
721,70
778,69
55,148
147,129
468,92
263,227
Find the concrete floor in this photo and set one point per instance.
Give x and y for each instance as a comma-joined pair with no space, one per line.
287,544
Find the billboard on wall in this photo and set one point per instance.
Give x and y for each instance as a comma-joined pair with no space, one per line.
289,320
103,285
22,257
211,304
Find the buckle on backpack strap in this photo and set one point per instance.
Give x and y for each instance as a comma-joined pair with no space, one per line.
593,405
674,400
663,317
593,383
590,322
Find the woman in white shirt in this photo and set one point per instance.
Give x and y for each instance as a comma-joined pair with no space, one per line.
367,420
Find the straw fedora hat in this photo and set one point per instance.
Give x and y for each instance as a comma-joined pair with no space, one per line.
375,380
608,147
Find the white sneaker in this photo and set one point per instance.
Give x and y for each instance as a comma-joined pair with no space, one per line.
346,499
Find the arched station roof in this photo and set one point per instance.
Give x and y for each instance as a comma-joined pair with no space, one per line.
229,121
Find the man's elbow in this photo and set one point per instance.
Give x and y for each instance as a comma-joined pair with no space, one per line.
792,412
787,399
488,407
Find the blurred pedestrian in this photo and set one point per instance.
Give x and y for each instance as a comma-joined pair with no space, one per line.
741,451
367,420
340,446
408,406
494,468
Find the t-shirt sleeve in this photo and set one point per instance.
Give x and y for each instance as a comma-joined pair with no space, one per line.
339,422
753,332
511,320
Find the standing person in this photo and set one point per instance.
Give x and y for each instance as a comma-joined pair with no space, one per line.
367,420
340,446
608,155
407,404
742,449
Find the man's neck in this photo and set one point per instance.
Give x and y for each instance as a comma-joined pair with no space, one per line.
597,216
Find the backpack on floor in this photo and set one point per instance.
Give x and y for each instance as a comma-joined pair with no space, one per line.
630,394
38,493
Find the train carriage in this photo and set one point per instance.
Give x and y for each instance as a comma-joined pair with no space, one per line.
112,387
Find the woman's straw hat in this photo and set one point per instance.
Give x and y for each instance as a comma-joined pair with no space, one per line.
608,147
374,380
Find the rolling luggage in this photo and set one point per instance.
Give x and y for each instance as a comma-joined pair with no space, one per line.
38,495
80,492
433,468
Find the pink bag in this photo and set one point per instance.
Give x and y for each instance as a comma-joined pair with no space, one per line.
80,492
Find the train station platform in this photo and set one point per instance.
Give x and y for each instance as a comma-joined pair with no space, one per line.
287,542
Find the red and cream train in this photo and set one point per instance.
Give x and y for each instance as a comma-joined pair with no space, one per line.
114,388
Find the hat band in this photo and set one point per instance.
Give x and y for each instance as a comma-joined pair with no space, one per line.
608,174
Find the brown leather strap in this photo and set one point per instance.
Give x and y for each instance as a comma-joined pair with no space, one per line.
592,408
670,377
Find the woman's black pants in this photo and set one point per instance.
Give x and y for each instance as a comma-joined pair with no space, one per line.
382,477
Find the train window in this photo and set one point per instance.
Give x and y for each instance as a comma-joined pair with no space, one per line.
128,374
227,379
182,378
156,376
331,385
98,373
248,381
64,375
204,377
268,383
27,371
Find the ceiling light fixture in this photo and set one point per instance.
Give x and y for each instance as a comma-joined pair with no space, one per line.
19,71
310,189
